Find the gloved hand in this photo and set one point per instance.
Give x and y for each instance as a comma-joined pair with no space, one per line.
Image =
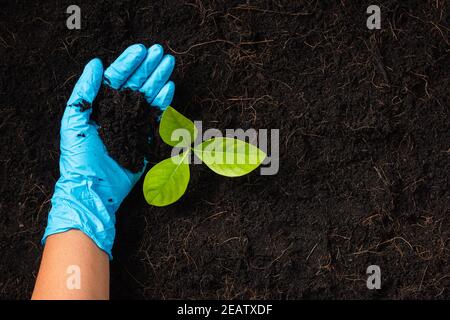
92,185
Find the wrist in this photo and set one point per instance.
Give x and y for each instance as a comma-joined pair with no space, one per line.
78,206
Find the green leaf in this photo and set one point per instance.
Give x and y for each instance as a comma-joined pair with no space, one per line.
176,130
229,157
167,181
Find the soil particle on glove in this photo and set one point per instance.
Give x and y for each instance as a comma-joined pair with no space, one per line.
126,123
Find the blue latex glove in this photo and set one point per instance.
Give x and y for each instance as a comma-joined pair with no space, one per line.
92,185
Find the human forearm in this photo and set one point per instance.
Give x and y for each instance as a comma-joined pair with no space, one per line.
72,267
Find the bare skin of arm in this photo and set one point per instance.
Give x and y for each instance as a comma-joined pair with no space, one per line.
64,255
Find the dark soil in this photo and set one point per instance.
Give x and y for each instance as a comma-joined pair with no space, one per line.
364,146
127,123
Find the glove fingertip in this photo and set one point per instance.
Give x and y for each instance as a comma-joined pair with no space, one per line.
121,69
96,65
88,84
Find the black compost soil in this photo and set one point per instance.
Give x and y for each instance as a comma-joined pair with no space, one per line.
126,125
364,146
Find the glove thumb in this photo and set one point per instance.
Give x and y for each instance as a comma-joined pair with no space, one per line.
76,116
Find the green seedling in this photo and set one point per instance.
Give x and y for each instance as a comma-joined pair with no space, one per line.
167,181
